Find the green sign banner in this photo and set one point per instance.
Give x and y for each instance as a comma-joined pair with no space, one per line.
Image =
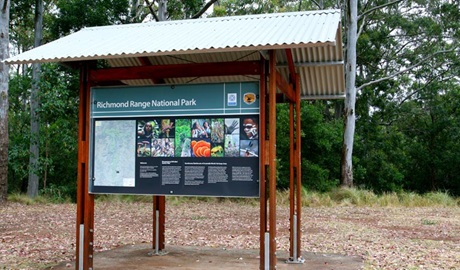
177,100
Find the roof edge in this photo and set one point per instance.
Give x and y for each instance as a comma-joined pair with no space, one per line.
12,61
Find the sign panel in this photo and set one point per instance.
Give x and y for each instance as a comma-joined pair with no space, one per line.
176,140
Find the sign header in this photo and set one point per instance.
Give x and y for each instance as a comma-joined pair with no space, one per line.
203,99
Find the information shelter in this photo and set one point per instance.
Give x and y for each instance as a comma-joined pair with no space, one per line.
189,108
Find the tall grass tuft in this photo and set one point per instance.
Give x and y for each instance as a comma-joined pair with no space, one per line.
24,199
315,199
366,198
388,199
353,196
411,199
440,198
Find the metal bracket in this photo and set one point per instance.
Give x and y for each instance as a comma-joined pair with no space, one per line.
267,251
295,259
157,253
299,260
81,248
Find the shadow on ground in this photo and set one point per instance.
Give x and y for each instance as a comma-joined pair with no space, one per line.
194,258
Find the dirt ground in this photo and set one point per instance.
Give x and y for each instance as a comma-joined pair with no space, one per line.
392,238
198,258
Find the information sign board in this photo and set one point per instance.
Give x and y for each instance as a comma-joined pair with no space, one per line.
199,140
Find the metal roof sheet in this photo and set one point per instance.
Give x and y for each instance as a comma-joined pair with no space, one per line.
313,36
186,36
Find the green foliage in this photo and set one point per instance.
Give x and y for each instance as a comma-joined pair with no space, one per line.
321,146
59,193
58,126
381,153
317,177
243,7
72,15
407,125
183,132
184,9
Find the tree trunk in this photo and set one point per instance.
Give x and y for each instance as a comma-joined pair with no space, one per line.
350,97
32,188
4,42
162,10
338,110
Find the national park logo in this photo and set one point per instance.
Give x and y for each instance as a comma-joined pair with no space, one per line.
232,99
249,98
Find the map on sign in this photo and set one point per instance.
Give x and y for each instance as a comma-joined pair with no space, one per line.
113,153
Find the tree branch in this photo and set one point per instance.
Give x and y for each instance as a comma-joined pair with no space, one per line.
435,78
414,92
208,4
149,6
316,3
402,71
378,7
361,28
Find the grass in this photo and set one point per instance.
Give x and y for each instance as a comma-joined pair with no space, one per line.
337,197
360,197
428,222
24,199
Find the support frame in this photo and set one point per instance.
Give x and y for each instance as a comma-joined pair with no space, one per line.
90,76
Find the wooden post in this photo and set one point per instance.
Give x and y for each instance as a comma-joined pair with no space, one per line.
85,201
262,165
162,210
292,164
298,165
272,157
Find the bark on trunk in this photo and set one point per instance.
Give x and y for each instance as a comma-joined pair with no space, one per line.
162,10
350,97
4,41
32,188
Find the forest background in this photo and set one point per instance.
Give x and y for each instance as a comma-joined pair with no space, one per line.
407,135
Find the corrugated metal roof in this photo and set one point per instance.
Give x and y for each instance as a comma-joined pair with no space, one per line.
313,36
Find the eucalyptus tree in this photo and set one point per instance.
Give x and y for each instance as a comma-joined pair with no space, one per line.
351,15
32,187
403,50
395,40
4,44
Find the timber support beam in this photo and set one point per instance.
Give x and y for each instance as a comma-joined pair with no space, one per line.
160,72
85,200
